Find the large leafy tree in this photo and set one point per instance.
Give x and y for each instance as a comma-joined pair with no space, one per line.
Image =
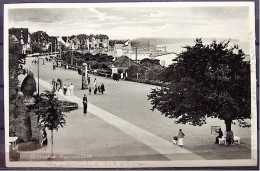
207,80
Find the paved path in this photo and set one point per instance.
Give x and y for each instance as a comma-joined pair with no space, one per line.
160,145
127,101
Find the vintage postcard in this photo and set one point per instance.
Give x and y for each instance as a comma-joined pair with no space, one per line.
130,85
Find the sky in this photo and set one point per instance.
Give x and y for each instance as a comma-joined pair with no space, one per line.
135,22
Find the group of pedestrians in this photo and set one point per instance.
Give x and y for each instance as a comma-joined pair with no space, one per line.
97,89
35,61
56,64
229,136
60,86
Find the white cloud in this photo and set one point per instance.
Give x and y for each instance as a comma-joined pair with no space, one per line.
222,22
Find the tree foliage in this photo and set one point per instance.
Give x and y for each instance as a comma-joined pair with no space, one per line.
18,119
208,80
153,73
134,69
148,62
50,110
37,48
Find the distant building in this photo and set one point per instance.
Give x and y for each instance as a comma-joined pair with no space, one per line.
75,42
122,64
53,41
92,42
42,38
120,49
160,48
21,36
103,41
84,41
166,59
66,42
140,55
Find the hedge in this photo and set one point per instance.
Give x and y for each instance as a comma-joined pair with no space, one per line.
151,82
70,105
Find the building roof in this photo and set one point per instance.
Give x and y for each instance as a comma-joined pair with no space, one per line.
17,33
65,39
82,37
123,61
74,37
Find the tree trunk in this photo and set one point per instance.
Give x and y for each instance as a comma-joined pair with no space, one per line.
228,124
51,143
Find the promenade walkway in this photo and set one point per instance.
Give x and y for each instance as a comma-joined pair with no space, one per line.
121,121
162,149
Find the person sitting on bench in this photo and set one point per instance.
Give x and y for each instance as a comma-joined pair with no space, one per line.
230,137
220,135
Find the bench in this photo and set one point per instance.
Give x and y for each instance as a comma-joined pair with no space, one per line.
236,140
224,141
12,142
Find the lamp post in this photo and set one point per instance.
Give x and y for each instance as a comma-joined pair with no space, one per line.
39,73
71,60
84,77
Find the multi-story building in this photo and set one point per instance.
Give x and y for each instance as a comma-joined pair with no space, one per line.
75,42
21,36
66,42
53,41
139,55
84,41
42,38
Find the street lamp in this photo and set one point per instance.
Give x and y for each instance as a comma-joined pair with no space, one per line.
39,73
84,76
71,60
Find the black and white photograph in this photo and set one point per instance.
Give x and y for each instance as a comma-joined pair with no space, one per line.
130,85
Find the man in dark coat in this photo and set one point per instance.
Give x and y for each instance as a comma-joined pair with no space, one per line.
88,80
85,103
220,135
102,87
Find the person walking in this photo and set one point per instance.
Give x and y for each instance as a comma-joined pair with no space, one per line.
64,89
180,137
85,104
54,66
95,82
68,91
95,90
44,138
71,89
53,83
88,80
58,84
220,135
102,88
89,90
99,90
